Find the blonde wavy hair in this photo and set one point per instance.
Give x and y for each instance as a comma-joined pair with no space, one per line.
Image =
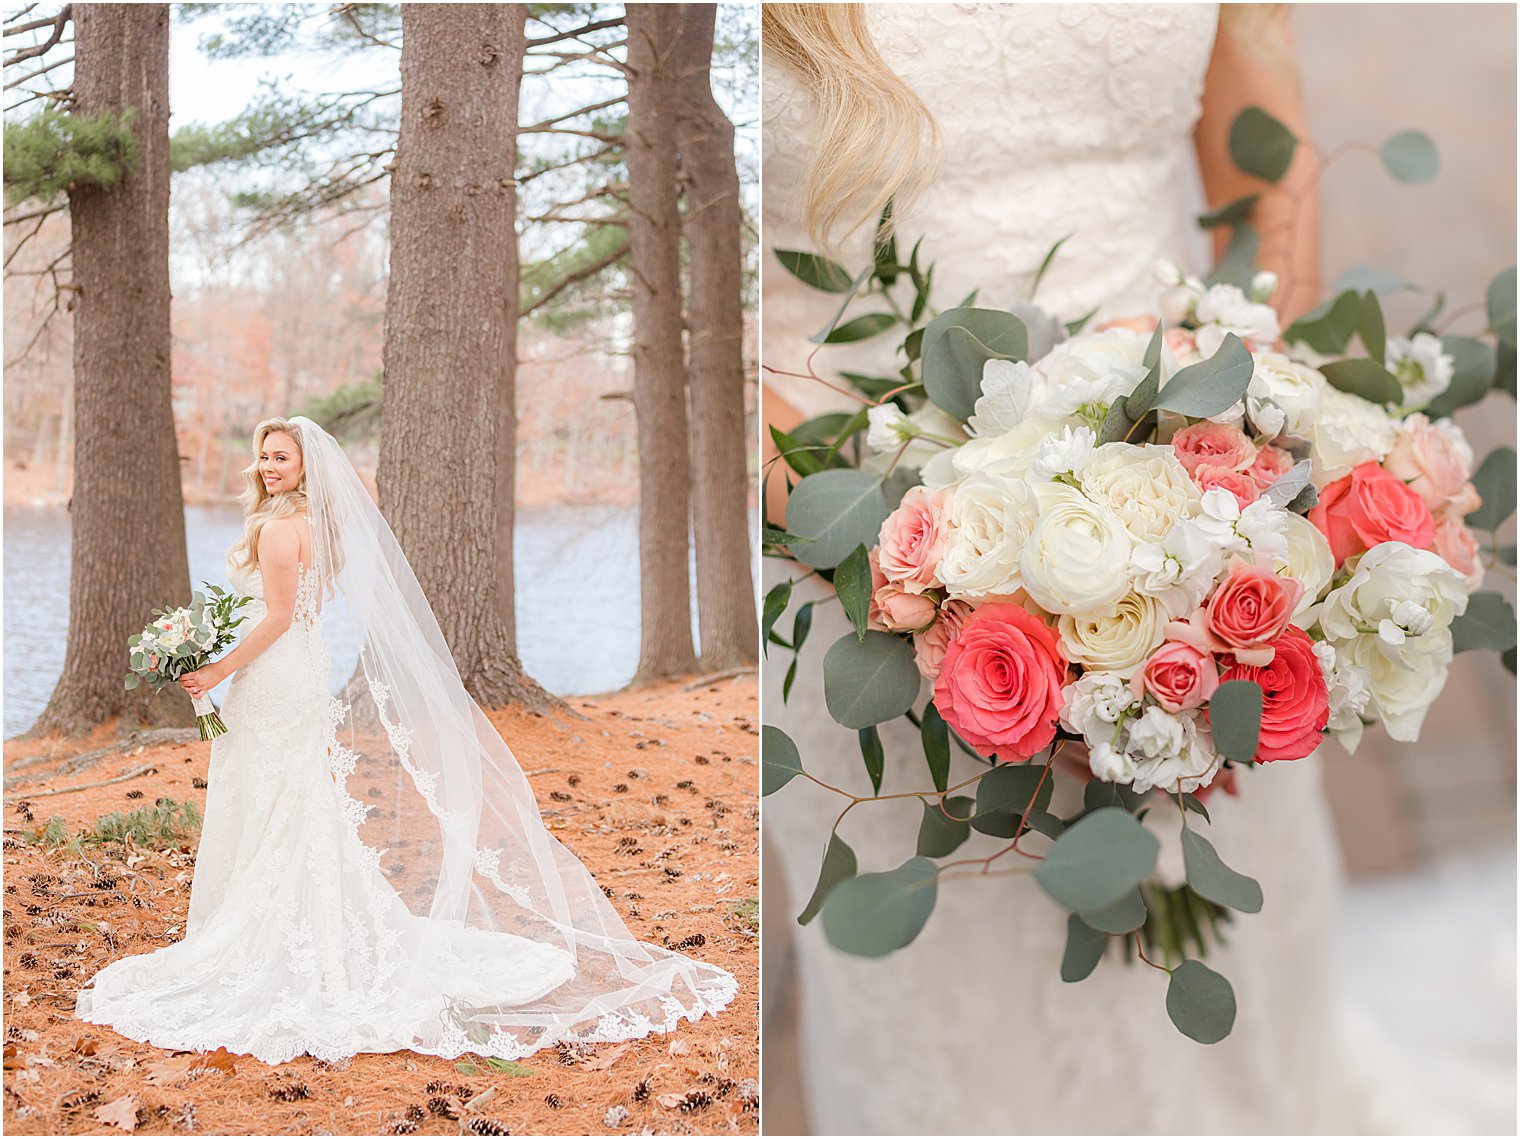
876,141
259,506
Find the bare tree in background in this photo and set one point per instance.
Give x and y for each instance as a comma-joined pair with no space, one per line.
654,235
715,348
448,428
127,514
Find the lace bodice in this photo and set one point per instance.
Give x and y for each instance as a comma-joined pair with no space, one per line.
1055,119
250,583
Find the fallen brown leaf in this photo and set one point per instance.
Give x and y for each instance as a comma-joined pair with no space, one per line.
670,1100
13,1059
170,1071
605,1060
22,999
119,1113
222,1060
85,1046
679,1047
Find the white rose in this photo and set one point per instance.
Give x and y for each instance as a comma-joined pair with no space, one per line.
1089,371
1293,388
1309,559
1224,309
1401,693
990,520
1064,454
889,428
1347,432
1422,368
1146,487
1117,644
1077,557
1093,703
1405,596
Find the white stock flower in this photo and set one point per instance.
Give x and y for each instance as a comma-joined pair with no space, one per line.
1091,370
1178,571
1263,285
1347,432
990,520
1396,599
1170,752
1109,764
1064,454
1077,557
1309,559
1224,309
1349,694
1093,703
1266,417
1232,416
1116,644
1146,487
1422,368
1260,530
1294,389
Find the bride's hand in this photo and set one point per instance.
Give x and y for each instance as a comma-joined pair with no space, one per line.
202,680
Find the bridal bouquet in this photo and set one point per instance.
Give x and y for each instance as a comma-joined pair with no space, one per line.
179,641
1175,546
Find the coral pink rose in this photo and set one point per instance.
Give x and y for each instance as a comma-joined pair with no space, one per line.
929,646
1178,676
1270,465
1239,483
1252,606
1368,507
900,611
913,538
1214,445
1295,699
1431,463
1459,549
1000,685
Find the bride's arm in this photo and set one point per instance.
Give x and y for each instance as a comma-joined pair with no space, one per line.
279,548
1253,65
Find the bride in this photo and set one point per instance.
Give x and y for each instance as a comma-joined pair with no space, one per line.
997,129
373,874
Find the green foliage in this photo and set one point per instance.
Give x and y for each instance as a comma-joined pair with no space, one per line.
779,761
1495,482
869,680
164,824
272,131
1235,717
1365,378
1098,860
1410,156
1200,1003
1212,879
1489,623
53,150
835,511
945,825
1209,386
839,865
957,345
1260,145
561,288
874,914
852,584
351,413
1084,949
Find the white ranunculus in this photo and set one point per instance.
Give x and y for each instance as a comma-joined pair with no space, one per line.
1401,693
1309,559
1008,455
1064,454
889,428
1170,752
1009,388
1347,432
1077,557
1093,703
1293,388
1178,571
1422,368
1224,309
1405,596
1146,487
1090,370
1119,643
990,520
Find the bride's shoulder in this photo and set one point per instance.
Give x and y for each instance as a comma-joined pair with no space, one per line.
283,536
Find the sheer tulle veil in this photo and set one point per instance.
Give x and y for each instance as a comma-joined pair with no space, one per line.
444,810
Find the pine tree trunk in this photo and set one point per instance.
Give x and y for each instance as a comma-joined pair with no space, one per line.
127,513
720,445
448,430
659,395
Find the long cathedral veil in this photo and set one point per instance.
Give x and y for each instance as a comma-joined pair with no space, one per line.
445,813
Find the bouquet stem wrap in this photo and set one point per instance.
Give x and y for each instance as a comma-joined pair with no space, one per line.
207,718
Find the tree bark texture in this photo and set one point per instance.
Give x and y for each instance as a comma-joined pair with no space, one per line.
720,444
448,425
127,515
659,398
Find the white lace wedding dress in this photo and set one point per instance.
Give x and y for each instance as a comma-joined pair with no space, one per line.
1055,120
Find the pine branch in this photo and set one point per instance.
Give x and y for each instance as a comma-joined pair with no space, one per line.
546,123
580,274
19,13
523,179
35,24
59,22
598,26
40,71
56,207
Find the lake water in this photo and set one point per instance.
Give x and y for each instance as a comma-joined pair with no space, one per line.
577,574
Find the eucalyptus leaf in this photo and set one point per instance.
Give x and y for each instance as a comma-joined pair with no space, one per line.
861,328
1504,369
1006,792
1328,328
1084,949
811,269
779,761
776,602
1238,265
1200,1003
1124,916
838,865
1500,303
1364,278
835,510
1489,623
1411,156
1045,264
1495,482
1365,378
873,914
936,740
1194,803
1212,879
1370,327
1097,794
1231,213
1235,718
1210,386
822,335
943,830
886,248
957,344
875,759
1260,145
1139,401
1097,861
801,457
852,584
1473,364
868,680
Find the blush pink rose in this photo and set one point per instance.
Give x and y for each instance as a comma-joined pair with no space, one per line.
1368,507
1145,324
1182,343
878,579
1270,465
1252,606
1178,676
1241,484
1000,684
913,538
1430,462
1214,445
1295,699
929,646
1457,546
900,611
